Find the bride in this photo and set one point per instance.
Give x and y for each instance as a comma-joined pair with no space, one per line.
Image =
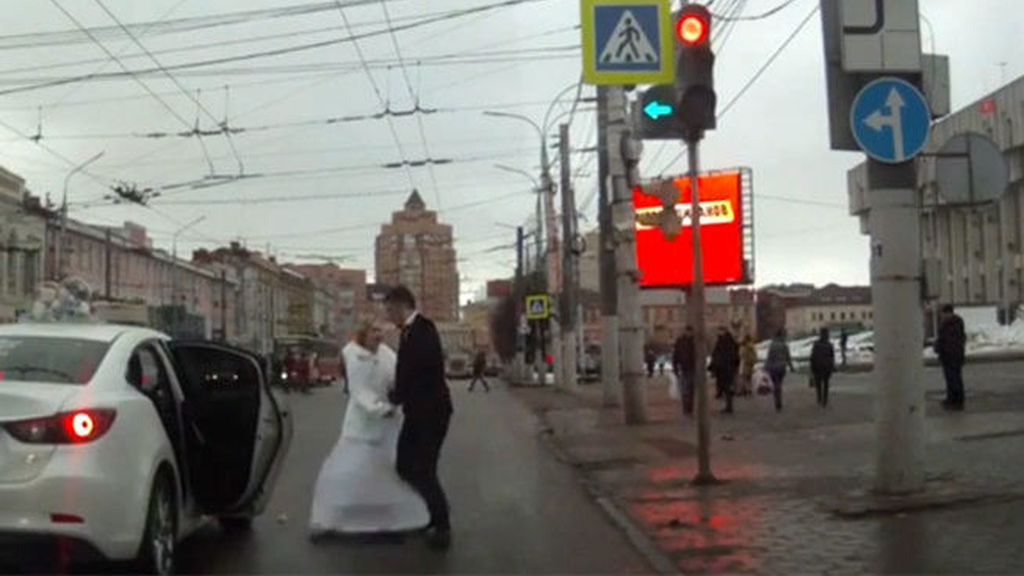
358,490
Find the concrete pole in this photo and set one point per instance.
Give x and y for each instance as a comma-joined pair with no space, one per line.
631,328
568,375
899,329
695,307
518,369
608,278
553,260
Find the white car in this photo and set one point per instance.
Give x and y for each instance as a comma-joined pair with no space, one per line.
117,442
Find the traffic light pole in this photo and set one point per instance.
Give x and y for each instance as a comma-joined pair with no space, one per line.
606,258
695,308
631,328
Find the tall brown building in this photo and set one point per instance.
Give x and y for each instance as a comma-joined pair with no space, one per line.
415,250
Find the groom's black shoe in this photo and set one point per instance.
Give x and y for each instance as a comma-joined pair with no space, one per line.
439,539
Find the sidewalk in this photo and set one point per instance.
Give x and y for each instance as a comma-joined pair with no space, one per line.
793,499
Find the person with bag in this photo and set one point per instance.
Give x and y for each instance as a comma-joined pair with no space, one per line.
823,364
748,360
779,360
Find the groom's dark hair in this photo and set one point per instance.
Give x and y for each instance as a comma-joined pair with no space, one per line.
400,295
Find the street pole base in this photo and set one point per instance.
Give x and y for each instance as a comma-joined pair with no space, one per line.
705,479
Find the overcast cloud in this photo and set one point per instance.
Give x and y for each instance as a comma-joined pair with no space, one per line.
778,128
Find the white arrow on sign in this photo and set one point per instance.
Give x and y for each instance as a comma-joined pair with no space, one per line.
894,120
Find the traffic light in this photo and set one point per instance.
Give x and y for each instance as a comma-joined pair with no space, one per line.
695,71
667,219
656,113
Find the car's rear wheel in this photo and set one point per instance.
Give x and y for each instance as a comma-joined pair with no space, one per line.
159,541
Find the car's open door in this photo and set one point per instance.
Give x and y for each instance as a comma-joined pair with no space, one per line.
242,431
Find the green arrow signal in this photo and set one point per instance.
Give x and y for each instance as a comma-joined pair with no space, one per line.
656,110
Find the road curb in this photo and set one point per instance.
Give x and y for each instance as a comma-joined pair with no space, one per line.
647,548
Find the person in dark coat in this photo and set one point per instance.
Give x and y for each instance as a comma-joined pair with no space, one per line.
951,346
684,364
823,364
650,358
779,359
725,363
479,368
422,392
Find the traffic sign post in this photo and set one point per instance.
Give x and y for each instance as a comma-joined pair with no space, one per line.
538,307
868,42
890,120
626,42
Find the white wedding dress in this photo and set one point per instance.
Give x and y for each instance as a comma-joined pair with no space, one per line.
358,490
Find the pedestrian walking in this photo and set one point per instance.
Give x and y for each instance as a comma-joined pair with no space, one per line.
748,360
479,367
843,341
778,361
684,365
649,359
823,364
725,363
951,346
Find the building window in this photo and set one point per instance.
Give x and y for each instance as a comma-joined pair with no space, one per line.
833,316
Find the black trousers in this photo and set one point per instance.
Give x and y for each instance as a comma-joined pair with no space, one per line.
479,378
954,372
821,386
419,449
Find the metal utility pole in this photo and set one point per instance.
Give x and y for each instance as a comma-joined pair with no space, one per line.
59,268
553,257
695,309
568,375
108,275
518,294
631,328
606,260
175,270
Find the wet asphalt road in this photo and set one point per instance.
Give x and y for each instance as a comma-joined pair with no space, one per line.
515,508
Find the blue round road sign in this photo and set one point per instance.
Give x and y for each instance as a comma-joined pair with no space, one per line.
890,120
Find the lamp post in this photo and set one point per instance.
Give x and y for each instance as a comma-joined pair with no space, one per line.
174,275
58,269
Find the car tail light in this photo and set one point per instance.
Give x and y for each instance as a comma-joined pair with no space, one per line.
76,427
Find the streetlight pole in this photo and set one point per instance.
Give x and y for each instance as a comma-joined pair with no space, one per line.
174,271
58,269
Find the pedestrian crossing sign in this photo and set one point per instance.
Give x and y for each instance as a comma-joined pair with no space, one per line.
627,42
538,307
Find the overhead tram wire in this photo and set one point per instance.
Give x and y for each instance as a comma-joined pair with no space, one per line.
139,81
107,61
286,50
65,38
771,59
380,98
415,100
185,91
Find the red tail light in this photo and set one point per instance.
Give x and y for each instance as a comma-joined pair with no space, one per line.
77,427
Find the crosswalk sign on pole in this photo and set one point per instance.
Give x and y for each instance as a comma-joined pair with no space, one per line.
538,307
627,42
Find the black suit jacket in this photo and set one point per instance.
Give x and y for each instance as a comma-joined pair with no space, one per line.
420,386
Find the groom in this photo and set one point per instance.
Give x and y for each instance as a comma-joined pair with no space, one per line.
421,391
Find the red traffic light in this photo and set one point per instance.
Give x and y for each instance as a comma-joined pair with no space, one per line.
692,29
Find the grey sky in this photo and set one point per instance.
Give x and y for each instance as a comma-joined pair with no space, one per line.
778,128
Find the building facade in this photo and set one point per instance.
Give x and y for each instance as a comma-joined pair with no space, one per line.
121,265
22,246
417,251
837,308
346,289
978,249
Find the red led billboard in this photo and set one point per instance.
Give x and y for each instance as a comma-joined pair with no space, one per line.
669,263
